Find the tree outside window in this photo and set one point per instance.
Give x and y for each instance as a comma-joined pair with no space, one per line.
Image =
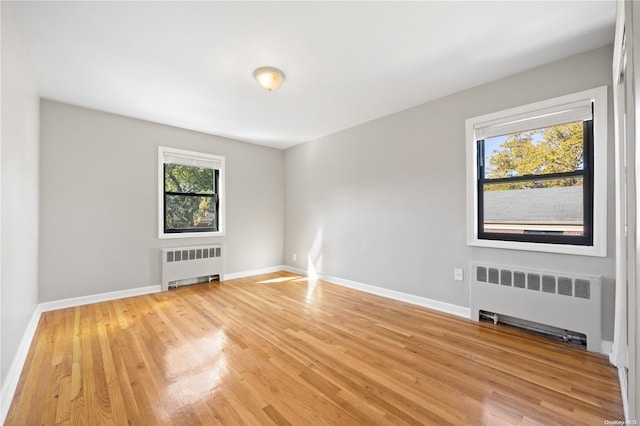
190,198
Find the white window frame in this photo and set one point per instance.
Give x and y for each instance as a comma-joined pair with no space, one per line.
599,98
195,157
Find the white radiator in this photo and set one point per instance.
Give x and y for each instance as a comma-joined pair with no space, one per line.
565,301
182,263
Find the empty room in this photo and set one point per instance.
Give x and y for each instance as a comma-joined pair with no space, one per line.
331,212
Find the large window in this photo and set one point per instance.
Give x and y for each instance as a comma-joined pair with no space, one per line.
191,193
539,176
537,185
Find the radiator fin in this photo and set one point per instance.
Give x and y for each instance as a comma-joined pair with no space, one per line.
173,255
481,274
583,289
505,277
532,281
493,276
519,279
548,284
565,286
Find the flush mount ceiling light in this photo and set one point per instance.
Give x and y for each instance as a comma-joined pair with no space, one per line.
270,78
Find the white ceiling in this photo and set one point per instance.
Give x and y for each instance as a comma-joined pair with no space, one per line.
190,64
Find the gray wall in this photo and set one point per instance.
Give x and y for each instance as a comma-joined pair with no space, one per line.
19,193
98,203
384,203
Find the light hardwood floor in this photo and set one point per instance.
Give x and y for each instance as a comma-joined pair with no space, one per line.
278,349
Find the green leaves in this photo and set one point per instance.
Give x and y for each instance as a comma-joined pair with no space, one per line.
188,179
190,199
555,149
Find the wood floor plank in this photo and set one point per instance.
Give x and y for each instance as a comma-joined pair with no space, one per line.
36,394
63,408
280,349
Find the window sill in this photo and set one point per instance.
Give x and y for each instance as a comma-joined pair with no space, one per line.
595,250
190,235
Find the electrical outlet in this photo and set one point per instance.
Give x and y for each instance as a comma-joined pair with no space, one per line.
294,257
458,274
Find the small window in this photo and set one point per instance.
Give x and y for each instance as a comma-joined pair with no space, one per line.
539,176
191,189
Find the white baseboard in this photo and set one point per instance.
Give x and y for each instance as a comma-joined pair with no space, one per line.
623,389
437,305
13,375
606,347
94,298
244,274
120,294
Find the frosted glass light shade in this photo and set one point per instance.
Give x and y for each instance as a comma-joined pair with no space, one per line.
269,78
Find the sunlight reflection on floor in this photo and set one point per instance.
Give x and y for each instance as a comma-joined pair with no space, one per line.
278,280
311,286
201,384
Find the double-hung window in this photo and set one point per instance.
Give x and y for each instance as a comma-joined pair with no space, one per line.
537,176
191,193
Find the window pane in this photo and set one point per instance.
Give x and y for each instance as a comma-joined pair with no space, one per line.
554,149
187,212
188,179
543,207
